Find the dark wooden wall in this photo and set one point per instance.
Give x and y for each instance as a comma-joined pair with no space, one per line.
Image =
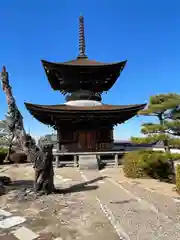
74,139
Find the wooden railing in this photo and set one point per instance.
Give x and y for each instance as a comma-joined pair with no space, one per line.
76,154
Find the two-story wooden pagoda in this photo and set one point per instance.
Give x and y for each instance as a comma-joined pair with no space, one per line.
83,123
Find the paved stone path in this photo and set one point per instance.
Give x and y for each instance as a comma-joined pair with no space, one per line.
138,213
94,206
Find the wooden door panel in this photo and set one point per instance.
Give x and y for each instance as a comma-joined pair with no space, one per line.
87,140
91,140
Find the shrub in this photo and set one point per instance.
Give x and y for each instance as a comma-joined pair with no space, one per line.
3,153
178,178
173,156
153,164
158,166
133,165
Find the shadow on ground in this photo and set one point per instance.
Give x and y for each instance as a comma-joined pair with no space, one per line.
123,202
81,186
24,185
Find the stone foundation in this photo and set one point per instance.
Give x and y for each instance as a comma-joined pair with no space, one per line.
88,162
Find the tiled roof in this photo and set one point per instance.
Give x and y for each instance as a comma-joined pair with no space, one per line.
82,62
103,107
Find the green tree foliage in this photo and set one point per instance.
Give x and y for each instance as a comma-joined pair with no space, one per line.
166,110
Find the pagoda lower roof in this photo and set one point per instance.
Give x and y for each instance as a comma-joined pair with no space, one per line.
52,114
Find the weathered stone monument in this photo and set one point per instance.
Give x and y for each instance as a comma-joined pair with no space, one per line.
44,173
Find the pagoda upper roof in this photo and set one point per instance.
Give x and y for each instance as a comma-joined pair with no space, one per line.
82,73
114,114
82,62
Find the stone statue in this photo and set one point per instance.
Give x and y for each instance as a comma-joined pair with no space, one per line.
44,173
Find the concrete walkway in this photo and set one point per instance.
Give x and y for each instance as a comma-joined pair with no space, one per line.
137,213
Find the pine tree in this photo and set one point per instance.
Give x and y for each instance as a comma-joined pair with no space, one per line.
166,110
166,128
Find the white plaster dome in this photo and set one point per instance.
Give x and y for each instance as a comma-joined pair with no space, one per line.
83,103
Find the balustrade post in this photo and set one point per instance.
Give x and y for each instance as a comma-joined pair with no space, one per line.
75,161
57,161
116,160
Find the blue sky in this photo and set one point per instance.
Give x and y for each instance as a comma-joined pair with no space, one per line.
146,33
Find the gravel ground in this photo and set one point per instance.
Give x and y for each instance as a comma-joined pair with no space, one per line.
71,215
163,203
90,207
135,210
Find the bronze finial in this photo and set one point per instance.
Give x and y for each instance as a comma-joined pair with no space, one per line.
3,69
82,46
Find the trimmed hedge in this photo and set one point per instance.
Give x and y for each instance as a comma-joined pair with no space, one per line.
154,164
178,178
133,165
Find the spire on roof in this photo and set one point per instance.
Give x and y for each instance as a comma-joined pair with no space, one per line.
3,69
82,46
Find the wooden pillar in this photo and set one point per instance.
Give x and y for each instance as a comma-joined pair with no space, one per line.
58,147
58,140
112,133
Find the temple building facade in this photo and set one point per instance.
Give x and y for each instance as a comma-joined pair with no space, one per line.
83,122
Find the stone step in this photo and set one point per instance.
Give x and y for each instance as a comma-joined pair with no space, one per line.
11,222
24,233
88,162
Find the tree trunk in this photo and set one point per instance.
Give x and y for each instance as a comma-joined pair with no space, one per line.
168,151
44,174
